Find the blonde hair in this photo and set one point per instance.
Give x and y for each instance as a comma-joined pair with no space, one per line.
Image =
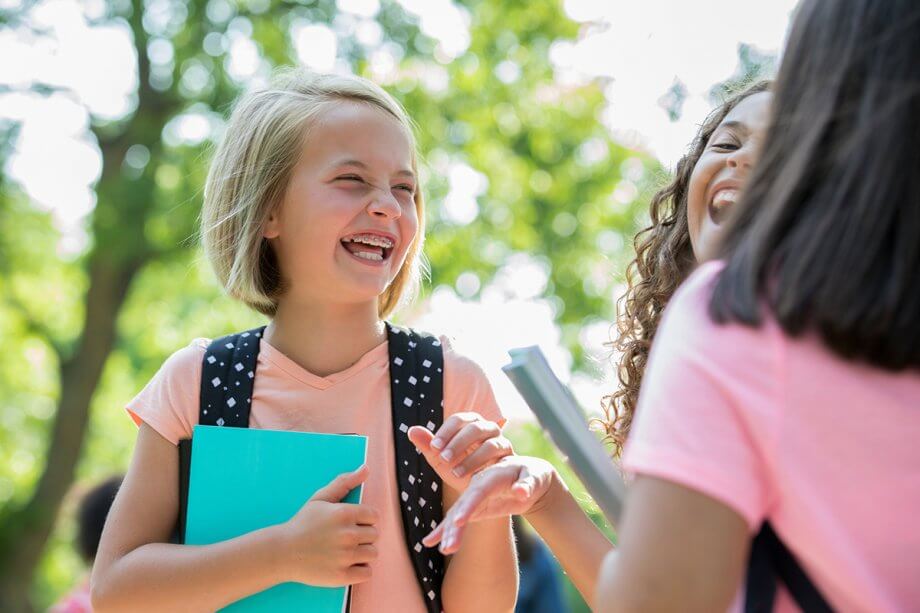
250,173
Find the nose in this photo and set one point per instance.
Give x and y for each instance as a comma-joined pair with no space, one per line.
743,157
384,204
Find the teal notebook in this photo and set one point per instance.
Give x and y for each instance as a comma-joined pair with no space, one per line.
243,479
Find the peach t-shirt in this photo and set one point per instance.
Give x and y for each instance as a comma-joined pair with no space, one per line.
287,397
781,429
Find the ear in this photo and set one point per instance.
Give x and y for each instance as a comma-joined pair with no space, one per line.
272,227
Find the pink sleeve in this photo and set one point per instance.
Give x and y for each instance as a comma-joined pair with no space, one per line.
169,402
466,387
708,411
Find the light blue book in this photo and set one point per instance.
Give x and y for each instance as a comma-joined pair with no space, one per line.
244,479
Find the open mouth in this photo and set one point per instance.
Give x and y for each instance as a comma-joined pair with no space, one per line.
721,204
371,248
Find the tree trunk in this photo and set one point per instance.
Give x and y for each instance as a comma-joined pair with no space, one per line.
26,529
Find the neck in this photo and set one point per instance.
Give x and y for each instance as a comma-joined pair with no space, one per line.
325,338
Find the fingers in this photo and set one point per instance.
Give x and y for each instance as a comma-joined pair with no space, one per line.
477,496
466,439
359,573
365,554
434,537
339,487
524,487
363,535
450,427
421,437
364,515
447,533
450,541
487,454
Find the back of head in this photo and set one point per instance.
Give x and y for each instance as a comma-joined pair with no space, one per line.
91,516
251,169
828,234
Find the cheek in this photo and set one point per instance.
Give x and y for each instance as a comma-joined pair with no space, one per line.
408,227
696,195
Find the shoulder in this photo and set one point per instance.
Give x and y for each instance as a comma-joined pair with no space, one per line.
691,300
688,327
169,402
186,360
466,386
458,366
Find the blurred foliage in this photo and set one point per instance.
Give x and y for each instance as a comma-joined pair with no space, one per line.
548,181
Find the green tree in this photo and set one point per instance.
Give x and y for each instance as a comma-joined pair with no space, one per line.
93,328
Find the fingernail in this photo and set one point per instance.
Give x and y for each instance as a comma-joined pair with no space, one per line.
459,471
437,443
447,455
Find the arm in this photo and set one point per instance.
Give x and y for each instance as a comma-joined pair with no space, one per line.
137,570
483,575
577,543
679,550
523,485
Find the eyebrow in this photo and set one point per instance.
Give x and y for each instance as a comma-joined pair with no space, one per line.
359,164
735,125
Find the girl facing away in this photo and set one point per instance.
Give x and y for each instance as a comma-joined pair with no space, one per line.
783,384
313,216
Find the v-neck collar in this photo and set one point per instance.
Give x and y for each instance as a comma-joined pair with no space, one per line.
306,377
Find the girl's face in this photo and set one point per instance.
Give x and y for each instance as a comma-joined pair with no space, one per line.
723,168
348,216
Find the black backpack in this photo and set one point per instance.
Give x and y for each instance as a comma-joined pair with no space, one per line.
771,562
417,398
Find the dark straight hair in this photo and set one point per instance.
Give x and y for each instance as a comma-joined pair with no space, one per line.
828,233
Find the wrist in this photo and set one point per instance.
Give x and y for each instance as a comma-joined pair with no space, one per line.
277,552
556,491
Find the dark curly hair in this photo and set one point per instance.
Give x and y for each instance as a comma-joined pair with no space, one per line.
664,258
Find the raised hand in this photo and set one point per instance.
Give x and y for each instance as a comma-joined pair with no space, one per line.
464,444
515,485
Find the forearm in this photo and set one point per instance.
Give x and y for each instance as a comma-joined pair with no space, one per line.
167,577
483,575
579,545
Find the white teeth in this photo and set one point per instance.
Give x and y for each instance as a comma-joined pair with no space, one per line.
368,256
371,239
724,197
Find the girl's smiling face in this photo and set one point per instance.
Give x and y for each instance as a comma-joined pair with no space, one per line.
348,216
722,169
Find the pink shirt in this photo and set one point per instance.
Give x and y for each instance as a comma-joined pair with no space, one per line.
287,397
781,429
77,601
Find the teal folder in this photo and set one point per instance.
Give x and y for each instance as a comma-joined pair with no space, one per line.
243,479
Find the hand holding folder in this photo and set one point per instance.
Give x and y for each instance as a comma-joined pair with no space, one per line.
331,545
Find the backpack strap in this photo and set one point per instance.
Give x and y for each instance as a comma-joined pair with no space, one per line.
417,398
227,375
770,561
228,372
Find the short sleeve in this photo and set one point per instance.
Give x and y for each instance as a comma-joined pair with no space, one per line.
466,387
169,402
708,413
